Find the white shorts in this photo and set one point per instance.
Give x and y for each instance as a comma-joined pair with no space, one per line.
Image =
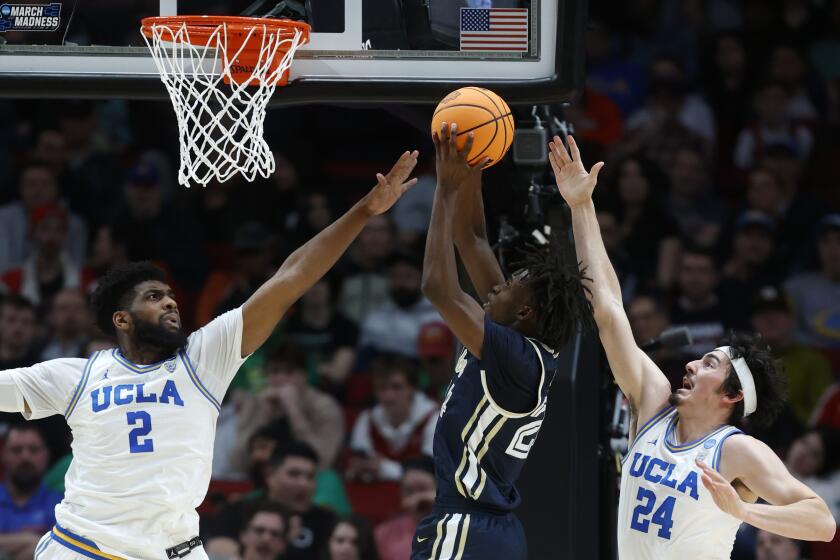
50,549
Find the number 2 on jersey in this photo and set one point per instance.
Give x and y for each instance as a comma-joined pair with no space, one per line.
661,516
145,421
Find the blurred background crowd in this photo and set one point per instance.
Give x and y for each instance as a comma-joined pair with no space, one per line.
719,121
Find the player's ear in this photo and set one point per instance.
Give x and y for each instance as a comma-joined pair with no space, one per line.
524,313
733,400
122,320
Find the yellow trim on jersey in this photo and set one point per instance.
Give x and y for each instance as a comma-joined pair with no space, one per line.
464,433
439,537
96,552
465,528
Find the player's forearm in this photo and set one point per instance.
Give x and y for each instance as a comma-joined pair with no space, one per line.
806,520
593,256
470,232
440,273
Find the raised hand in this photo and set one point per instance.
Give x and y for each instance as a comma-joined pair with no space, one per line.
452,164
724,495
389,188
574,183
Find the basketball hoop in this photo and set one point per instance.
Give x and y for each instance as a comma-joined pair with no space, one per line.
220,72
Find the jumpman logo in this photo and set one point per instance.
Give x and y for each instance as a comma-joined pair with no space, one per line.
653,442
105,375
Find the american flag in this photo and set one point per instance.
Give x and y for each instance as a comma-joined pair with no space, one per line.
494,29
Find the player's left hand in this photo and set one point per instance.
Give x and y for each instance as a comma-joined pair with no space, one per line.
389,188
724,495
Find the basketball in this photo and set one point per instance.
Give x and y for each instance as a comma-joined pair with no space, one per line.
481,112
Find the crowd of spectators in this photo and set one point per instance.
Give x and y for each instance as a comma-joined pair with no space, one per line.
720,125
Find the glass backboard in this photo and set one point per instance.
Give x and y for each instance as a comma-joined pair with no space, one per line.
530,51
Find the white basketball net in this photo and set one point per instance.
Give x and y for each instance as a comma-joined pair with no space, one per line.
220,124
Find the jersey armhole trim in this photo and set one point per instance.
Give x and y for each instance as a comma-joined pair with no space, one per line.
507,413
646,427
191,371
74,400
719,450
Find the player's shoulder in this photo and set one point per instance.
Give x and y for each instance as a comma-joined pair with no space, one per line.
59,364
740,453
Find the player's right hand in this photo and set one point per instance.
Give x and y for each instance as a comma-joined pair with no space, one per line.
452,164
574,183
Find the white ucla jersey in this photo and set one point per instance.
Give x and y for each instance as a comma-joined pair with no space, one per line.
142,440
664,511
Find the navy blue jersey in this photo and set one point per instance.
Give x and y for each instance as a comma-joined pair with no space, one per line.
479,446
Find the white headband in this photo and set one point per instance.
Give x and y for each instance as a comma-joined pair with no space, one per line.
745,376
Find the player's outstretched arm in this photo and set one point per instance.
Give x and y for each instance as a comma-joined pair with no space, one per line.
312,260
793,510
470,231
440,274
636,374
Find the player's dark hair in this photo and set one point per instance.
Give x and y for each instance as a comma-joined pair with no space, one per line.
292,449
387,364
116,290
770,382
559,289
365,543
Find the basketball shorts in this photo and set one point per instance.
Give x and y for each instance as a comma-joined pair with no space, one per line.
449,535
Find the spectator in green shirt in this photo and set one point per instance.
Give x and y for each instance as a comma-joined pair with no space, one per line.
807,371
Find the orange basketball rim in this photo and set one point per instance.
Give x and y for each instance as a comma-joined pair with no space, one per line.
242,38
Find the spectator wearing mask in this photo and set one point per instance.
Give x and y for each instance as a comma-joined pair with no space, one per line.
37,187
417,491
324,333
395,325
808,373
49,268
290,480
399,427
815,296
351,539
771,126
70,323
264,536
27,507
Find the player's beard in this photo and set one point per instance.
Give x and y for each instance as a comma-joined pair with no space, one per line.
25,478
157,336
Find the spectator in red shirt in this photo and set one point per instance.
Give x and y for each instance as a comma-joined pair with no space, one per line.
417,489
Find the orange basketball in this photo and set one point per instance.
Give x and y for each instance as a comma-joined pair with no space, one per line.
483,113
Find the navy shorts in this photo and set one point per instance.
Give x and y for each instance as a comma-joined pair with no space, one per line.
449,535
